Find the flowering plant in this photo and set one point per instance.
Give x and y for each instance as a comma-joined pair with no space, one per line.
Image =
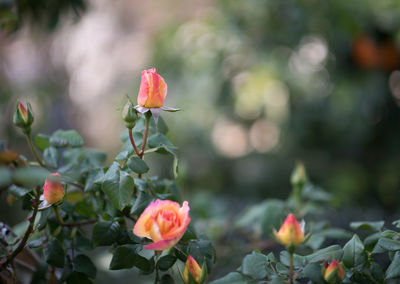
78,203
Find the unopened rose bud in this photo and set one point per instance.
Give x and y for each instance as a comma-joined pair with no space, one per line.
153,89
193,273
23,117
290,233
53,191
299,176
129,115
334,273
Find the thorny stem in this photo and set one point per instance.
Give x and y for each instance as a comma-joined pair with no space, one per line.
29,138
27,234
75,224
133,142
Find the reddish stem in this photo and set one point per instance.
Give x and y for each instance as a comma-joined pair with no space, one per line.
133,142
27,234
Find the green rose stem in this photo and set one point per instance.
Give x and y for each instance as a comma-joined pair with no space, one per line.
290,250
28,137
76,224
27,234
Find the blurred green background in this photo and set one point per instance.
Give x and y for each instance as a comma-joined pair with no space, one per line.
262,84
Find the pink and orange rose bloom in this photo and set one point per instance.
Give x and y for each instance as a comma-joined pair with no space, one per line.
53,191
290,233
164,222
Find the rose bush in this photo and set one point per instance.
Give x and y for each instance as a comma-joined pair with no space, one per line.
87,204
82,195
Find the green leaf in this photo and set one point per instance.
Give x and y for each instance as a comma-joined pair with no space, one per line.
118,186
167,279
137,165
30,176
375,226
17,191
274,214
105,233
328,253
166,262
393,270
84,264
396,223
78,278
159,140
298,260
127,256
313,271
64,138
50,157
255,216
377,272
353,253
315,193
37,243
141,202
254,265
42,141
277,281
389,244
5,177
54,254
371,241
231,278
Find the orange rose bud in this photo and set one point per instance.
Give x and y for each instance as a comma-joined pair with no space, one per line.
163,221
153,89
53,191
334,272
23,116
290,232
194,269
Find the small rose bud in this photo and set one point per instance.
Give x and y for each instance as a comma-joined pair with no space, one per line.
334,273
290,233
193,273
129,115
53,191
299,176
153,89
23,116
